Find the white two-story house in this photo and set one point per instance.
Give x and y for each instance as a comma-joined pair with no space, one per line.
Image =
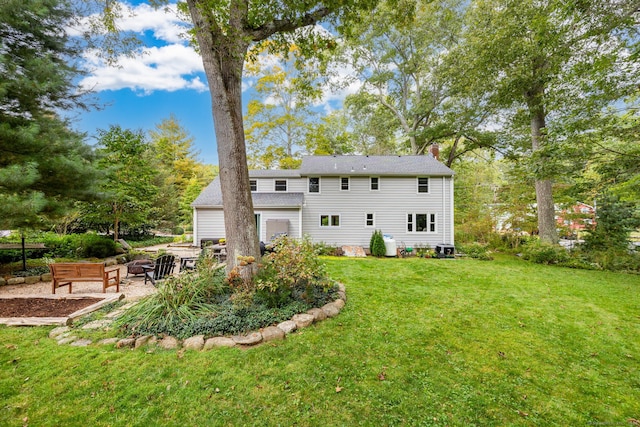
341,200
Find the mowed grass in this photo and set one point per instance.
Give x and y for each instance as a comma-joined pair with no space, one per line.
420,342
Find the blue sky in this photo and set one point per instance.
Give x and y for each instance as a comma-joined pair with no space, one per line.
166,78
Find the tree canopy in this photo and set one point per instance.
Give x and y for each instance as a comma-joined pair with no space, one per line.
551,67
44,165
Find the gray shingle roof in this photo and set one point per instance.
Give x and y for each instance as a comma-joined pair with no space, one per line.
211,196
373,165
271,173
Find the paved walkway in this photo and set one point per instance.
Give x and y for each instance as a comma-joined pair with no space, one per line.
132,287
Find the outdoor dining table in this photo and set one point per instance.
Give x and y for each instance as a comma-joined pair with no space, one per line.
219,251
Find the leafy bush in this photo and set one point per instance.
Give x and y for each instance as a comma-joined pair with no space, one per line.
545,253
475,250
94,246
32,271
208,302
322,248
615,221
510,241
611,259
292,269
376,244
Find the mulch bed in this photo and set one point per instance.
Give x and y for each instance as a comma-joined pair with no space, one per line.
43,307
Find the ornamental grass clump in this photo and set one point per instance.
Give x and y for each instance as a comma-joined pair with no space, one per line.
179,299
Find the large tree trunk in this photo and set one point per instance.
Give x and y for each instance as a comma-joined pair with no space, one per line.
223,58
544,190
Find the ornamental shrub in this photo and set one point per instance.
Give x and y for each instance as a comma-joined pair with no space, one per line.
475,250
545,253
292,269
376,244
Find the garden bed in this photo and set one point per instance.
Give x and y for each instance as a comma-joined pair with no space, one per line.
34,310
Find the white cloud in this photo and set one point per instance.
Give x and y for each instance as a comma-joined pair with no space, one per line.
169,65
164,22
168,68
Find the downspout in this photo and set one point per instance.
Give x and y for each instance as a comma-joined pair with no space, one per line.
451,210
300,221
444,206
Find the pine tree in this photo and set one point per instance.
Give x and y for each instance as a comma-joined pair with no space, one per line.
44,165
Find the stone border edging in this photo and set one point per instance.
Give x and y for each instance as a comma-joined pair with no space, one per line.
64,334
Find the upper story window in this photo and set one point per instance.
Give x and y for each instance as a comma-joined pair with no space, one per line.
423,185
253,184
374,183
281,185
344,183
314,185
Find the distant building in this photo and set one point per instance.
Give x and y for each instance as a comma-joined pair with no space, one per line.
576,218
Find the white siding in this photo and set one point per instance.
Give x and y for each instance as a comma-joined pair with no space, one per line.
268,185
210,222
293,215
396,198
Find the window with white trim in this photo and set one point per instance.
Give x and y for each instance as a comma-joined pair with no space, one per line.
253,184
423,184
329,221
281,185
344,183
374,183
314,184
369,220
421,223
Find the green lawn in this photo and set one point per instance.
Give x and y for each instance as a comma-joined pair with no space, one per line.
420,342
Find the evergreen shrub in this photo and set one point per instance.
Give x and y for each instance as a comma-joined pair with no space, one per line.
376,244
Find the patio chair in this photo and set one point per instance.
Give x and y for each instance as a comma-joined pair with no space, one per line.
188,263
162,267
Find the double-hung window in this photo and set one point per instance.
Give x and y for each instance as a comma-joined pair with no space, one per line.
369,220
421,223
374,182
314,185
344,183
281,185
423,185
329,221
253,184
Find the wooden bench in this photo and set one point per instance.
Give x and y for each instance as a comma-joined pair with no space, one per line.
65,273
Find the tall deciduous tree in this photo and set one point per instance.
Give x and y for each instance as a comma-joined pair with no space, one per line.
127,189
224,32
278,121
400,57
553,65
44,165
177,168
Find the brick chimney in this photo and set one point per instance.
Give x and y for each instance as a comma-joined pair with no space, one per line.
434,150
